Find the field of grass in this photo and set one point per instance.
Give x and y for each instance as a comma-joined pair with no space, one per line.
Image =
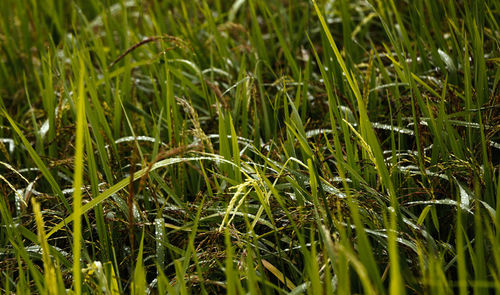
250,147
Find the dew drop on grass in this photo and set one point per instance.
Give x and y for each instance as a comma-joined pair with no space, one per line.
159,234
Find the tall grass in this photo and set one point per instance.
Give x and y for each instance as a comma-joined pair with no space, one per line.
261,147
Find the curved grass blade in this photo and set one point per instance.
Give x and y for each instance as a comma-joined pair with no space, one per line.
125,182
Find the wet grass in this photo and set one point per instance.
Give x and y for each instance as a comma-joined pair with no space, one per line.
250,147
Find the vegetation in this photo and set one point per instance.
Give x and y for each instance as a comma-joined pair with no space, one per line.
250,147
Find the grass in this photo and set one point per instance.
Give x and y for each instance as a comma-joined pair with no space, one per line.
260,147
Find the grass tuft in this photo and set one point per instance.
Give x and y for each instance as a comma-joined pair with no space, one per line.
260,147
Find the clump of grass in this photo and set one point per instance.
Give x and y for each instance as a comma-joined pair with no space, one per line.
249,147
